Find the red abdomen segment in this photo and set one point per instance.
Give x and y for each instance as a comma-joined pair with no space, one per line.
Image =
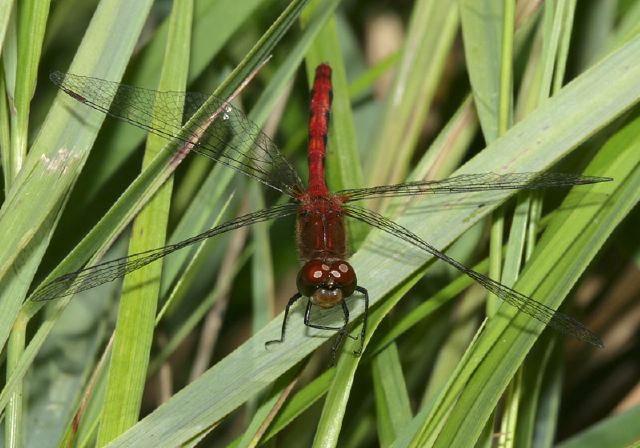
321,230
318,129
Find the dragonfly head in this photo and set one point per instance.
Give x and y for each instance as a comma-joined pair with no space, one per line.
327,282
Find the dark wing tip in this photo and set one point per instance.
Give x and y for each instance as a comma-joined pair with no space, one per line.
593,179
54,289
593,339
42,295
56,77
45,295
604,179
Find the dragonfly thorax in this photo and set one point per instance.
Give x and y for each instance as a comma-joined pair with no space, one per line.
321,229
326,282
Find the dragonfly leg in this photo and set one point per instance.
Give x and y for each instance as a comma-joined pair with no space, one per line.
342,331
365,293
292,300
307,320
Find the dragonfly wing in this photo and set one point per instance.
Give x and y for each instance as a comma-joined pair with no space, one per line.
101,273
465,183
221,132
561,322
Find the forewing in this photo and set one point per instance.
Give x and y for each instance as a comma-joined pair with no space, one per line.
224,134
98,274
561,322
465,183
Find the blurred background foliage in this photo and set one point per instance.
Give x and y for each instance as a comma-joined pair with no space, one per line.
571,394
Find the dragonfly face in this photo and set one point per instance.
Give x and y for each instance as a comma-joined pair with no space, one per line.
327,282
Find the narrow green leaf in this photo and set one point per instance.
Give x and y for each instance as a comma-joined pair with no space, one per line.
223,16
137,311
541,394
393,409
628,28
568,16
453,347
482,32
429,38
221,176
14,419
552,28
101,236
300,402
5,134
32,19
5,15
262,277
573,238
53,164
618,430
546,135
273,401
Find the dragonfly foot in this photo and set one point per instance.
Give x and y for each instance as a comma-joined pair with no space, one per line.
273,341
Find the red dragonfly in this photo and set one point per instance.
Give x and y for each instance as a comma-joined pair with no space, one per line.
326,278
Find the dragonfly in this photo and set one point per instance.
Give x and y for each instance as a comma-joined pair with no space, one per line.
326,279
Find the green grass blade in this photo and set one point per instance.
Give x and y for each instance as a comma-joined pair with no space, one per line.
224,17
547,134
628,29
330,424
553,62
343,169
14,418
5,15
267,410
101,236
430,36
32,19
482,32
300,402
55,160
5,143
568,16
618,430
137,311
263,282
393,409
488,32
520,222
569,243
220,178
541,394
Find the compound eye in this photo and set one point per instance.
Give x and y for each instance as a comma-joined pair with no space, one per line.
313,275
344,277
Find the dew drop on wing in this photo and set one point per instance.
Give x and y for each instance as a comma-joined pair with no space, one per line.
227,111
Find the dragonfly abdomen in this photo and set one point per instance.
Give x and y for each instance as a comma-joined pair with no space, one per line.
319,129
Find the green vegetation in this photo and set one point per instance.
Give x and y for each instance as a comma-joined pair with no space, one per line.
175,355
